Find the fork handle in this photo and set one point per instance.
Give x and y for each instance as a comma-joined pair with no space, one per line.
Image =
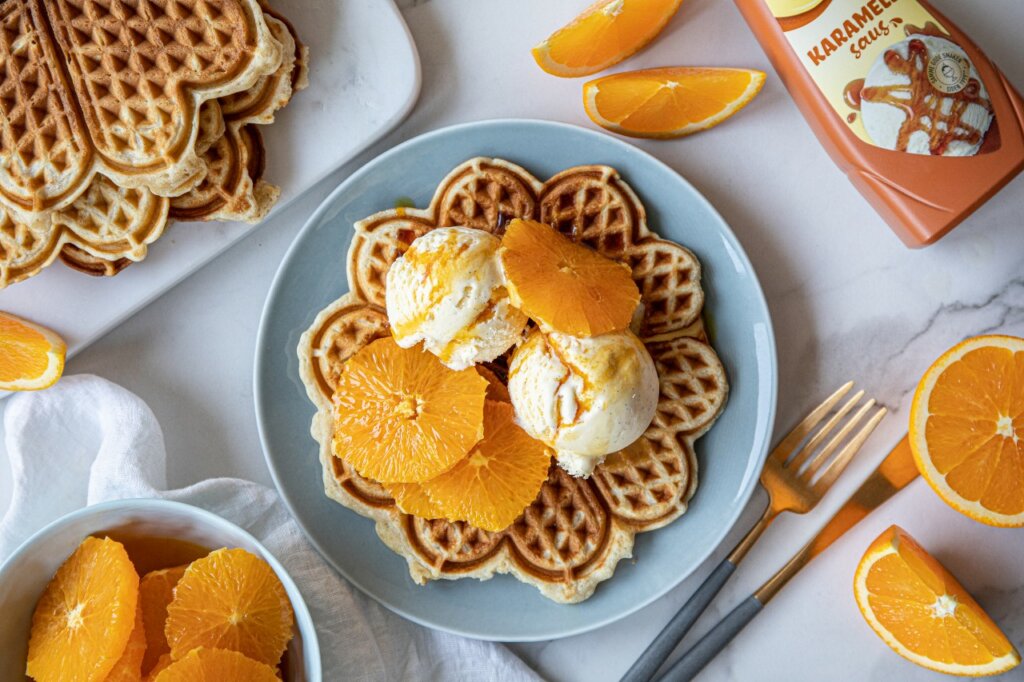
665,643
702,653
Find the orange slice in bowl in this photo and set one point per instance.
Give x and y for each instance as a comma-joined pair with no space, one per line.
605,34
156,592
31,357
129,667
913,603
967,429
230,599
403,417
669,102
567,287
85,617
501,476
216,665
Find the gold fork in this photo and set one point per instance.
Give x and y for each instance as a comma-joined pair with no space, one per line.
796,479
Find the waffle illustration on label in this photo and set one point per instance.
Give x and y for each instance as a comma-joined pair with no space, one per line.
122,102
572,536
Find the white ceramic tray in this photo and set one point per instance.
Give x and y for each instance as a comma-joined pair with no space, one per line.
364,79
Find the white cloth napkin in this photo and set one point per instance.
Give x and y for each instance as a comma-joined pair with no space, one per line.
87,440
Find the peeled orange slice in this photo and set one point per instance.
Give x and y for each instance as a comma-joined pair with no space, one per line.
496,390
85,617
31,357
924,614
567,287
605,34
412,499
967,429
669,102
501,476
156,592
162,663
403,417
217,665
129,667
230,599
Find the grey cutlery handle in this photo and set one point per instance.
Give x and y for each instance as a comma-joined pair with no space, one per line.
665,643
694,660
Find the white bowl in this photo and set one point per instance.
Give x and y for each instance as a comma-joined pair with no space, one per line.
24,576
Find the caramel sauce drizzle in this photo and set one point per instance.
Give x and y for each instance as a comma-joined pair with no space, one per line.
923,104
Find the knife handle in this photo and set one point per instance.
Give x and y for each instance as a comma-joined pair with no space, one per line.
667,640
701,653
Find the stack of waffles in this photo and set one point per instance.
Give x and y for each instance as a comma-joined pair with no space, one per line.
575,532
117,116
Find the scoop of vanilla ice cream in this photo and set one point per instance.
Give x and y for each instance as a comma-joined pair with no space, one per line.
884,121
583,397
448,292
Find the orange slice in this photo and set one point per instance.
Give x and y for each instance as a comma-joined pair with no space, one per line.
403,417
605,34
567,287
412,499
669,102
217,665
496,389
31,357
967,429
230,599
85,617
156,591
924,614
129,667
501,476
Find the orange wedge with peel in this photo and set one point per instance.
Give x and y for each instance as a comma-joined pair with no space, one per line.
603,35
967,429
401,416
565,286
500,478
31,357
669,102
913,603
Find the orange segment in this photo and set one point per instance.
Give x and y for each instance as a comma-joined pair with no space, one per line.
669,102
412,499
967,429
403,417
924,613
84,618
567,287
129,667
605,34
233,600
31,357
156,591
217,665
502,475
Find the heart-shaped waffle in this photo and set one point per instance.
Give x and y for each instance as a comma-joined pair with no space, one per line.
573,535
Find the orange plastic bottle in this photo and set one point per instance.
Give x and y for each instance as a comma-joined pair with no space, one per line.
923,123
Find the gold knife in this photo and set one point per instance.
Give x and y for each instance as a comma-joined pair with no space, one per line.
895,472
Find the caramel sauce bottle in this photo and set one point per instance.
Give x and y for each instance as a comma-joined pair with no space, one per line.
923,123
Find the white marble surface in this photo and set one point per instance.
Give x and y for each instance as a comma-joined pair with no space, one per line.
849,301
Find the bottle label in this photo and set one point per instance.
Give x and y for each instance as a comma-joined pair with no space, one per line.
892,72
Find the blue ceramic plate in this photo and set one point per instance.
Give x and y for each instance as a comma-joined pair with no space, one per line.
730,456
